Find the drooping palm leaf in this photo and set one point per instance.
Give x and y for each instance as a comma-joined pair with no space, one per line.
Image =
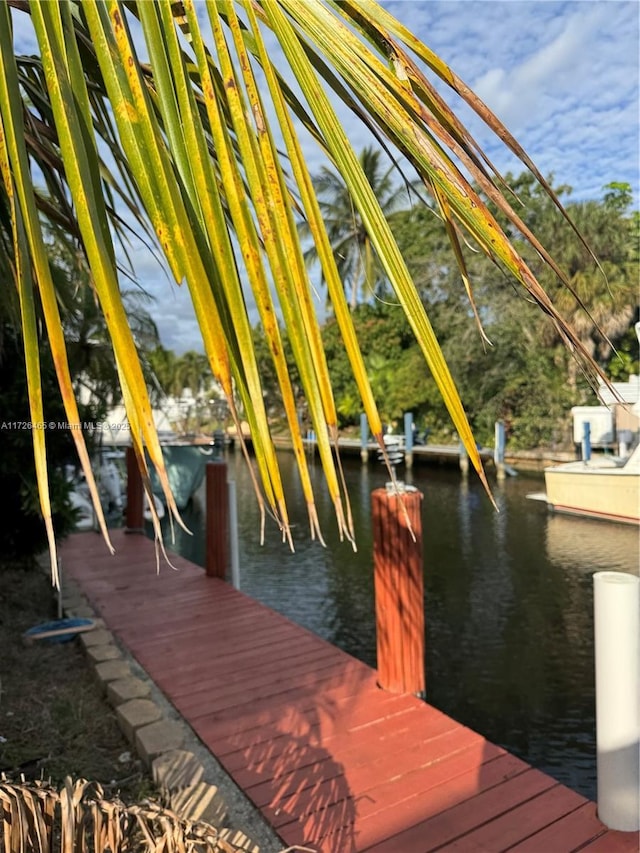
197,137
31,262
71,111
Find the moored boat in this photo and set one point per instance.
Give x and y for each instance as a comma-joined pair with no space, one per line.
185,464
606,488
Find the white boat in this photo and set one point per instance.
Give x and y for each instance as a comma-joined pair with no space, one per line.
110,491
81,503
602,487
146,512
112,494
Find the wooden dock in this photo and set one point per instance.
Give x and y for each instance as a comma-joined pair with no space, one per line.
331,761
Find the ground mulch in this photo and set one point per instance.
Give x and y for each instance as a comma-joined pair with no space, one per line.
54,720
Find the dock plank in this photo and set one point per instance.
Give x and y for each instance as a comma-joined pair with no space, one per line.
505,784
613,842
333,762
570,832
519,823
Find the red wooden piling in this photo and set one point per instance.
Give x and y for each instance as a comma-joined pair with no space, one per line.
399,591
135,494
217,553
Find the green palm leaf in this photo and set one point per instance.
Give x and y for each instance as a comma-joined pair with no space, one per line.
29,249
205,147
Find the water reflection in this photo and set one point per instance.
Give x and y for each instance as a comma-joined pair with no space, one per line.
577,543
508,601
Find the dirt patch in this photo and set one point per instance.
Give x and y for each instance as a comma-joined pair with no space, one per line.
54,720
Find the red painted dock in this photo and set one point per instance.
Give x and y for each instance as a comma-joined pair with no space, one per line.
332,762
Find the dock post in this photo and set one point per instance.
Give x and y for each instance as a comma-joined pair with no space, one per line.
408,440
586,441
233,535
624,440
217,524
399,590
134,520
364,438
498,449
616,603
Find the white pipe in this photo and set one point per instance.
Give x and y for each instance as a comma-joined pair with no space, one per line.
233,535
617,657
60,607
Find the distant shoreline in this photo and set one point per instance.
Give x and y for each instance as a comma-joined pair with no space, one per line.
443,454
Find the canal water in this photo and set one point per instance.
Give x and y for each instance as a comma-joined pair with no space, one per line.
508,600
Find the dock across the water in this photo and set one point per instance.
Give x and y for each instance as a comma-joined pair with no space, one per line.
331,761
447,455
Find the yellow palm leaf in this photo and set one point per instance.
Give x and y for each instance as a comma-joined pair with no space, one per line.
197,139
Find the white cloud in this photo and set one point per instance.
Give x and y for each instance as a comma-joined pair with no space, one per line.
552,73
24,37
563,76
177,325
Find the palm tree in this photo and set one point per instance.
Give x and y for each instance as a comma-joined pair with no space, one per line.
162,367
610,299
603,296
203,146
356,259
193,372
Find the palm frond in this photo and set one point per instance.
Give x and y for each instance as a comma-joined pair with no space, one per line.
78,817
205,150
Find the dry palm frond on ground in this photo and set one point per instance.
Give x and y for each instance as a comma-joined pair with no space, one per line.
79,819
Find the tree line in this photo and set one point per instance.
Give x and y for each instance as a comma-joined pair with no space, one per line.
516,368
508,360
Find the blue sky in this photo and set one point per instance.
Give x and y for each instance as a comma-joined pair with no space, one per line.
563,76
